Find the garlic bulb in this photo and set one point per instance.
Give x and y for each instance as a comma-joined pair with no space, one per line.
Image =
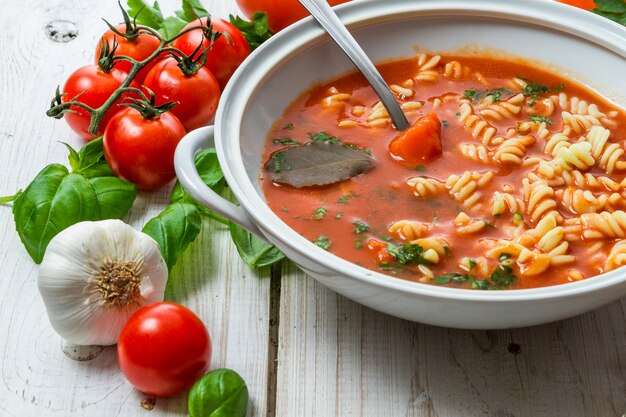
94,275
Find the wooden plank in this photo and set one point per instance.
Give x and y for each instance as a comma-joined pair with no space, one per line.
37,379
337,358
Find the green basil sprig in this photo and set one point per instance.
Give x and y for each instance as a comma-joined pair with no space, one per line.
220,393
255,252
58,198
151,15
174,229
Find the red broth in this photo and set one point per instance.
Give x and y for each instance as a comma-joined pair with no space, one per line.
506,249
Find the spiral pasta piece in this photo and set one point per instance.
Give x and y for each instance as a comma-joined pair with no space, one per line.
556,142
437,244
512,151
581,107
466,225
336,101
426,67
454,70
480,129
464,188
425,187
503,202
578,201
604,225
606,153
539,198
408,229
617,256
502,110
475,152
579,123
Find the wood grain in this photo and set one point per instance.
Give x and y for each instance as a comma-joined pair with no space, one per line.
37,379
338,358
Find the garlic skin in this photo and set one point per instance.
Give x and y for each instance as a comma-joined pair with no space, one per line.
95,275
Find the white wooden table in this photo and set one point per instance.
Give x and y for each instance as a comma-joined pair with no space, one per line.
303,350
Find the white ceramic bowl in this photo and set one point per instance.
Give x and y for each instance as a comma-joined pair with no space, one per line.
578,44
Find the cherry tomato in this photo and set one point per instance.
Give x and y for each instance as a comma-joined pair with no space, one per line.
163,349
138,48
225,54
583,4
197,94
280,13
96,87
142,150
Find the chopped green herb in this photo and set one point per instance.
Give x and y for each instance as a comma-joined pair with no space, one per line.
518,218
324,137
454,276
338,216
504,257
532,104
288,126
503,276
322,242
319,213
445,123
472,264
495,94
358,244
540,119
497,215
285,141
279,159
286,209
481,285
433,203
407,254
420,168
457,113
535,90
367,151
346,198
360,226
471,94
447,250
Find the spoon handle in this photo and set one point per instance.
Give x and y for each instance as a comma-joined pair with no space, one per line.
327,18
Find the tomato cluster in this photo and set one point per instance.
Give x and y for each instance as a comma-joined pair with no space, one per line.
140,148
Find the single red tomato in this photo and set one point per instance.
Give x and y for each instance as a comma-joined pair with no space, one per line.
139,48
96,87
224,55
280,13
197,94
583,4
163,349
141,150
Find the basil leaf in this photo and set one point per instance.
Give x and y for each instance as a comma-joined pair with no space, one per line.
174,229
192,10
171,26
115,196
91,162
254,251
144,14
256,31
54,201
220,393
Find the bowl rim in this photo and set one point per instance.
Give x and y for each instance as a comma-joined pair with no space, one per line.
295,38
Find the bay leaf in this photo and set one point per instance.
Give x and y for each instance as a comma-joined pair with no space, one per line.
317,163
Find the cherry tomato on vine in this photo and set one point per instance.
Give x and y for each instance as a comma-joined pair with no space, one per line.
280,13
197,94
140,149
138,47
225,54
163,349
96,87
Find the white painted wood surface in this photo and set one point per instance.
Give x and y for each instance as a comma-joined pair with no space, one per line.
334,357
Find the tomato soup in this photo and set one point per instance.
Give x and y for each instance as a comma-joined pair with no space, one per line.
519,184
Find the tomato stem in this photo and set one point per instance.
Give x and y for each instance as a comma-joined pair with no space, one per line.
58,108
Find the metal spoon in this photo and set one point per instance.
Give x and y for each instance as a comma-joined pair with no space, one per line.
329,21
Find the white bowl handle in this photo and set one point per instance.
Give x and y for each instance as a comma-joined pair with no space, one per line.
184,162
